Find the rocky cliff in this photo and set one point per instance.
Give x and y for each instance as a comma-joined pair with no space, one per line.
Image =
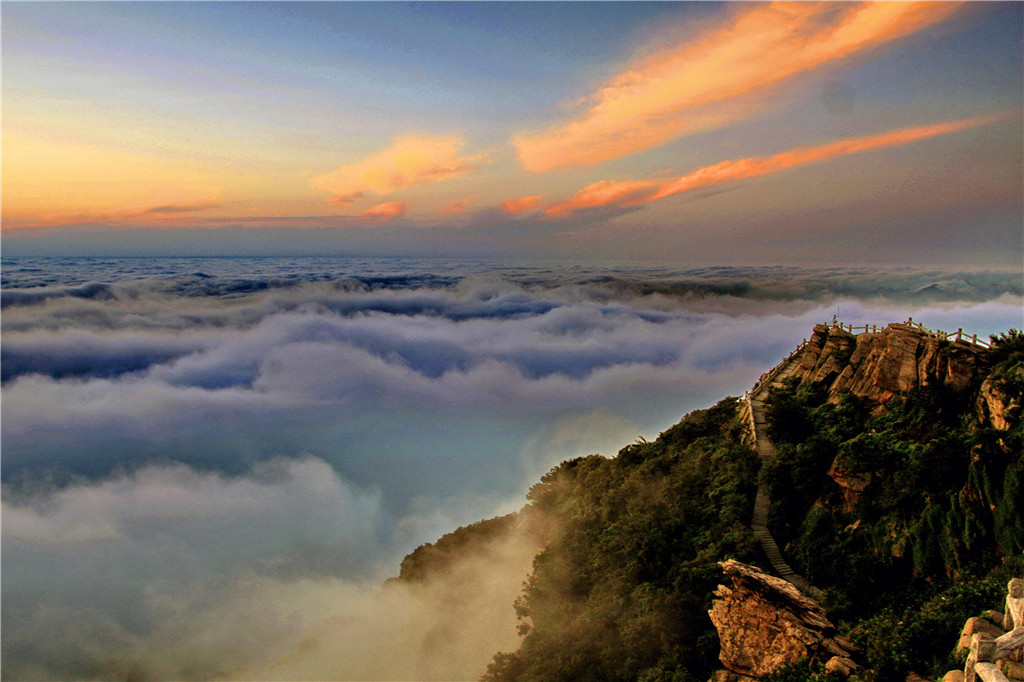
926,511
877,491
896,359
764,622
995,406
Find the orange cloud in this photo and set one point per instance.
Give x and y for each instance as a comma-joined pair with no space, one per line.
155,206
602,194
615,194
390,209
728,171
455,207
345,199
699,85
411,160
520,204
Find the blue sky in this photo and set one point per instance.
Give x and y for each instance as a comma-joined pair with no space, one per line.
528,129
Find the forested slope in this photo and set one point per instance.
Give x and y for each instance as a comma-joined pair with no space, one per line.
904,506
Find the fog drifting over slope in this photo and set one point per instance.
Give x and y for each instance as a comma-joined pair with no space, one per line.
201,471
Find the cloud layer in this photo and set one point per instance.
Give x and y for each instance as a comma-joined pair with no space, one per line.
224,465
718,77
169,573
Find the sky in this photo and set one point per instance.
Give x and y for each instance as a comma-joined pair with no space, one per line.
751,132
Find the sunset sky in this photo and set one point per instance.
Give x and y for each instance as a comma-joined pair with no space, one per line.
805,132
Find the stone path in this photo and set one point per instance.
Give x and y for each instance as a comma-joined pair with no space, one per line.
766,451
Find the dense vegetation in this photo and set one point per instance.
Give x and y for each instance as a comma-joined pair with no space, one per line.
621,591
436,558
931,529
923,530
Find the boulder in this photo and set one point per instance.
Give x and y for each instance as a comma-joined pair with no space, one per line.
973,625
1012,669
764,622
994,617
841,665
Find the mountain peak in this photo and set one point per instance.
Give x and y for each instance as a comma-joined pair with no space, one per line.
877,363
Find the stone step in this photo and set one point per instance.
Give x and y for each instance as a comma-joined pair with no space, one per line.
762,502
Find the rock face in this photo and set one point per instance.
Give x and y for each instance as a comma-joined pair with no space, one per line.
994,407
853,484
764,622
878,365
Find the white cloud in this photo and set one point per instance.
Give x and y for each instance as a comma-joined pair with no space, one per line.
172,573
291,440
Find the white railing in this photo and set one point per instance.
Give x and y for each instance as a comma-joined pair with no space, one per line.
985,651
863,329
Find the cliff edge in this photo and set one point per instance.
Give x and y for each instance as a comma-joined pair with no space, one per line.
763,622
878,365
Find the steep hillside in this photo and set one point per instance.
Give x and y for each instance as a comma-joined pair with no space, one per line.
899,475
896,487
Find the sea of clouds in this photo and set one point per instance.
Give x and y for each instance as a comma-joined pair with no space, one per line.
208,464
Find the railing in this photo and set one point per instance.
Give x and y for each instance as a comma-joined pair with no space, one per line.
773,372
864,328
959,336
985,651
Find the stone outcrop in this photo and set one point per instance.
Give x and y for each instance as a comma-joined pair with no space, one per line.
878,365
994,407
993,644
853,484
764,622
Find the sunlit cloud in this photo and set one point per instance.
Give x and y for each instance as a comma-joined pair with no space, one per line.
602,194
389,209
345,199
615,194
738,169
456,207
409,161
521,204
718,77
153,206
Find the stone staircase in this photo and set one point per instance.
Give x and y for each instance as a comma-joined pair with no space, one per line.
766,451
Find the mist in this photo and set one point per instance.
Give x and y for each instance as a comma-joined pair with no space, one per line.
212,474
